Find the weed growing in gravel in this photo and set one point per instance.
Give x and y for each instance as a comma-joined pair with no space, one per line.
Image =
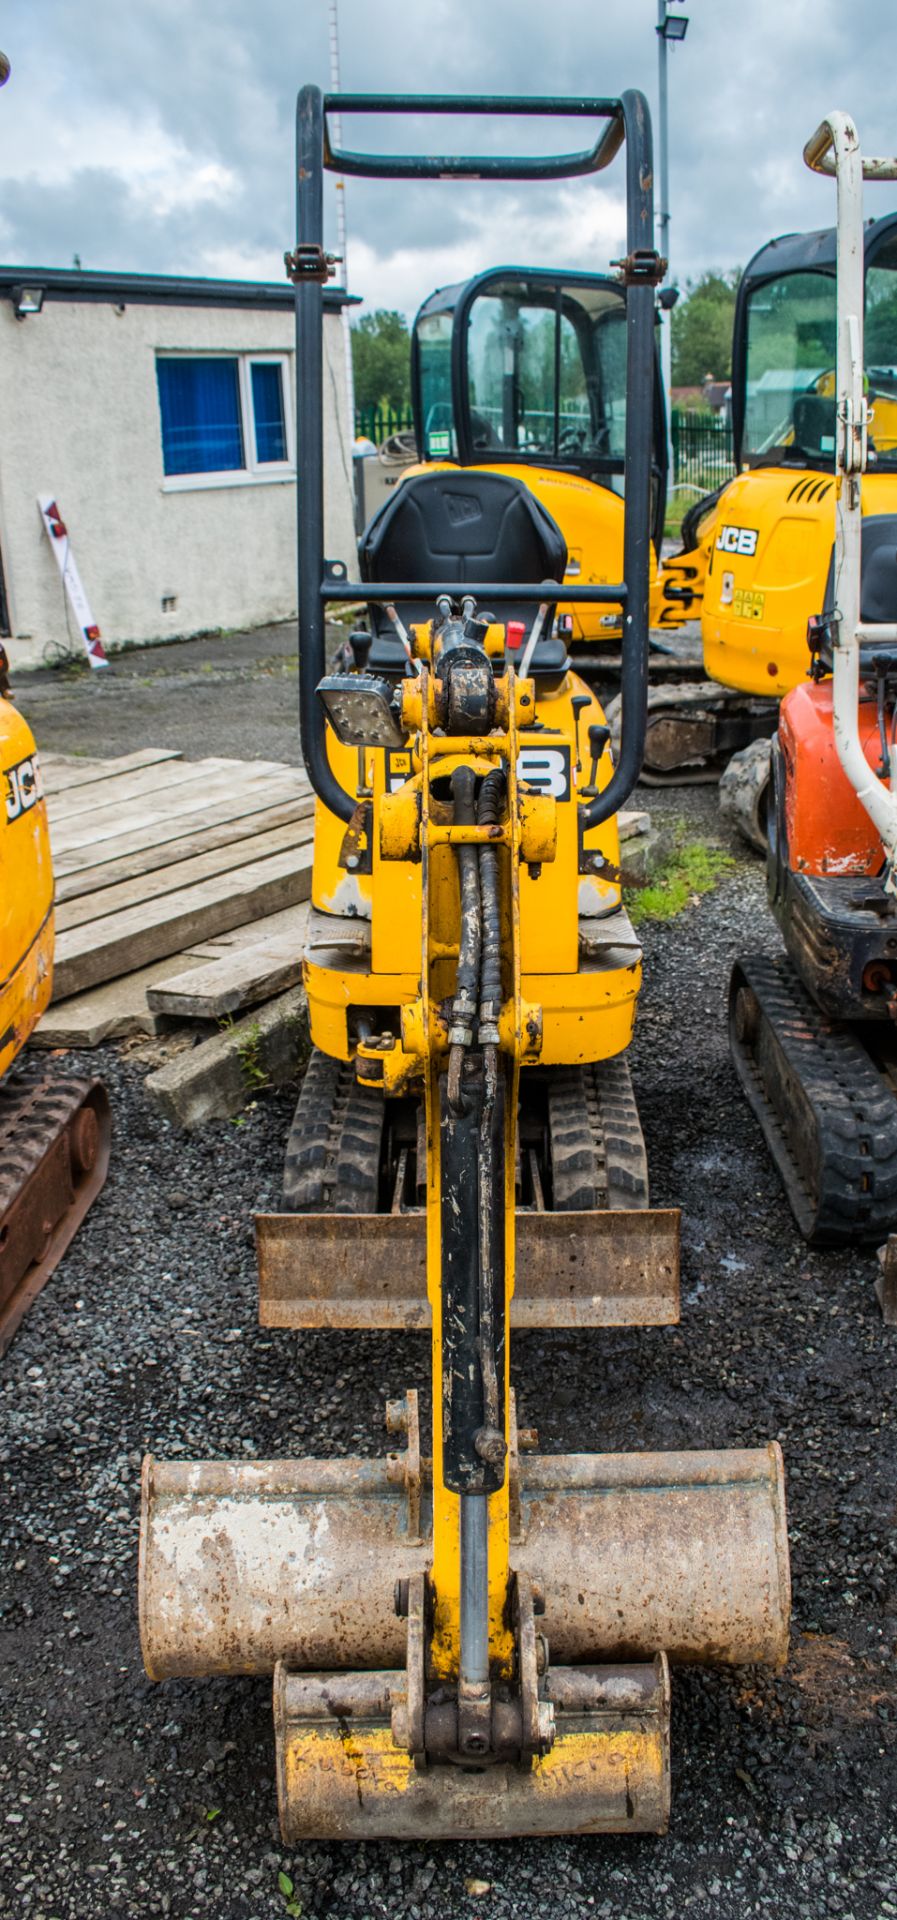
251,1066
690,869
255,1077
292,1903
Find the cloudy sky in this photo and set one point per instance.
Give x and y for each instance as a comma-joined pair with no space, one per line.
157,135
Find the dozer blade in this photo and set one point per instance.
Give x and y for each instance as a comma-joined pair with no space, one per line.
341,1775
240,1564
581,1269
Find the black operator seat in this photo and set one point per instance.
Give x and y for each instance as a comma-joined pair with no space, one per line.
462,528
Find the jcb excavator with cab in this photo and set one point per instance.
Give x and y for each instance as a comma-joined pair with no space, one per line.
813,1036
472,1639
756,553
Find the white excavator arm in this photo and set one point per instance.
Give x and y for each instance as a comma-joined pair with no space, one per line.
835,149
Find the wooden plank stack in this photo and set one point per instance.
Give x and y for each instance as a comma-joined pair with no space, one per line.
170,870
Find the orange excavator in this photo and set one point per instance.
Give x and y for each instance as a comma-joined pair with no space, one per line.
813,1034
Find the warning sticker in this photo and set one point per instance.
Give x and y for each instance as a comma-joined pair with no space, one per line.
747,604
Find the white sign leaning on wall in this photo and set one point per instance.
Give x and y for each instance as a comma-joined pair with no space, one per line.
57,534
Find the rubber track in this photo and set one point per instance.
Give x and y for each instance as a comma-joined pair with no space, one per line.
34,1108
333,1152
38,1112
598,1154
824,1093
684,699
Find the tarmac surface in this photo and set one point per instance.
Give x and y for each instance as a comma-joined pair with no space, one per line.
122,1799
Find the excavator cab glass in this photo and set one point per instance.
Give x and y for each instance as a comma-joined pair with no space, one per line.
785,349
529,366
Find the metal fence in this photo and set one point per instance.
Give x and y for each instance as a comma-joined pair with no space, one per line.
377,423
702,450
701,443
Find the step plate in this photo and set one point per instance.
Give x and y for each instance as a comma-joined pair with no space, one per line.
617,1268
340,1775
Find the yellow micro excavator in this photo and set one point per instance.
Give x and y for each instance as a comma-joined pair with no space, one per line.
54,1129
472,1639
756,553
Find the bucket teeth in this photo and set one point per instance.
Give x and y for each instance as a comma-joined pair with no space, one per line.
341,1775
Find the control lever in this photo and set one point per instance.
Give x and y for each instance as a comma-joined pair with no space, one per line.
579,701
360,642
599,735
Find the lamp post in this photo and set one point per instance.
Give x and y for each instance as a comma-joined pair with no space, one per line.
333,25
670,28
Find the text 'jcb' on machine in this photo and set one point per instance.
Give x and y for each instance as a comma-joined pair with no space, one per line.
813,1037
466,1155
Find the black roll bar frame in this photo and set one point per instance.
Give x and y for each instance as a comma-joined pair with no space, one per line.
627,121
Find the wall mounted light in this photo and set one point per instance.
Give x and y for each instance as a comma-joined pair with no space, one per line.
27,300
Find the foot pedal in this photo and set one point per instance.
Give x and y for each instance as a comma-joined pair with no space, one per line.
341,1775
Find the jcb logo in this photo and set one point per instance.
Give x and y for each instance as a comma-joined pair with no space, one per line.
547,769
24,787
737,540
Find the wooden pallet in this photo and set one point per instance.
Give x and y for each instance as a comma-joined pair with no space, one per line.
167,867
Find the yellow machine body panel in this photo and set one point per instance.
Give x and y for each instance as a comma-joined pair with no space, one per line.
769,553
588,1010
26,887
757,564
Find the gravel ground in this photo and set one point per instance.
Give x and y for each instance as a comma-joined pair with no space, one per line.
784,1786
233,694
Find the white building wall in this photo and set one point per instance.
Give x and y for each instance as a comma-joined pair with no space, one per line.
80,420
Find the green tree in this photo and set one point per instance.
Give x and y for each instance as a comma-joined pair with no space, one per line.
381,357
702,329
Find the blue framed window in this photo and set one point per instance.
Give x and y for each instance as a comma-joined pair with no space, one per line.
202,427
221,414
267,408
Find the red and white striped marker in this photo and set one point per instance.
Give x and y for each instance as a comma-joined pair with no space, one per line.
57,534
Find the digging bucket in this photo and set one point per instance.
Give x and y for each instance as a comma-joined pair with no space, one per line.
245,1565
341,1775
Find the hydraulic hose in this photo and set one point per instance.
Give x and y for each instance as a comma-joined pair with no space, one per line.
488,809
464,1006
490,1440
